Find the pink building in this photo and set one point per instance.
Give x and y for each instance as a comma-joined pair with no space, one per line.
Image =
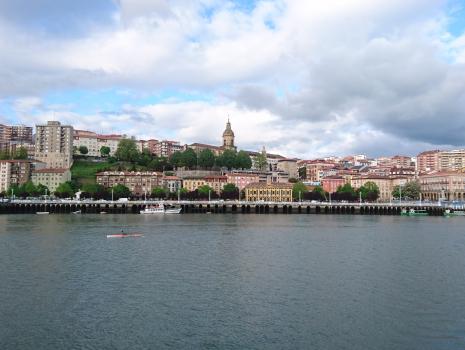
240,180
331,183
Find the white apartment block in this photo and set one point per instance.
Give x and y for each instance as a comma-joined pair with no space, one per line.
94,142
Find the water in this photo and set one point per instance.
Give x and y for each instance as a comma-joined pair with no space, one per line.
232,282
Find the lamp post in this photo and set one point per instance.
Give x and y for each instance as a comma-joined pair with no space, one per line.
300,194
112,194
209,195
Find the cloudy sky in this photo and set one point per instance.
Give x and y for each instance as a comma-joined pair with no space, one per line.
305,78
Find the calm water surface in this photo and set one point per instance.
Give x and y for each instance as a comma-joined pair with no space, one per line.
232,282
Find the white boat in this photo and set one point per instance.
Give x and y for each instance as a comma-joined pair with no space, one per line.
42,213
77,212
160,209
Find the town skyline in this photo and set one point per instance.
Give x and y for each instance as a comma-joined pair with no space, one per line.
372,77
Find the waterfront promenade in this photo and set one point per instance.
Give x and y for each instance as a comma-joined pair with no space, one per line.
217,207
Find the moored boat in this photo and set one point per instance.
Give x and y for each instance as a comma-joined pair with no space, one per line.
160,209
42,213
414,212
449,212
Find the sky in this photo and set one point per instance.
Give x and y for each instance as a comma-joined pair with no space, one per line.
303,78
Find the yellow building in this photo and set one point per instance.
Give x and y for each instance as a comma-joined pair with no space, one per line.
50,177
193,183
268,192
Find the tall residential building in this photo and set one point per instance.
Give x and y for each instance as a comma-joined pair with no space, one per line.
452,160
54,144
21,133
428,161
14,136
13,172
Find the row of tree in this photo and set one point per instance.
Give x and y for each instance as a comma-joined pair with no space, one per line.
127,151
369,192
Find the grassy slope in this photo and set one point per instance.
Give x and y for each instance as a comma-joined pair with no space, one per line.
84,171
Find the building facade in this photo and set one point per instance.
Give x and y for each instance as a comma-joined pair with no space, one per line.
273,192
216,182
453,160
443,185
288,166
241,180
228,137
428,161
54,144
94,142
172,183
139,183
51,178
13,172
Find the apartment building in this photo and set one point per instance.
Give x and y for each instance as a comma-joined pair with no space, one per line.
54,144
139,183
94,142
50,177
13,172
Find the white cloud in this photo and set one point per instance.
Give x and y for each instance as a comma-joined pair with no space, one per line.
306,78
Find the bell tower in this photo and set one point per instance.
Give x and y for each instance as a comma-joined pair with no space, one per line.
228,137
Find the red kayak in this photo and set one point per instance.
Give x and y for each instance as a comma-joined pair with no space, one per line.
124,235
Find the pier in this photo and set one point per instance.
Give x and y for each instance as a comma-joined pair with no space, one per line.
215,207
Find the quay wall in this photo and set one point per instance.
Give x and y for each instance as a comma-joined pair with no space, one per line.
216,208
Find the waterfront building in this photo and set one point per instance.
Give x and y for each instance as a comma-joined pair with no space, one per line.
13,172
94,142
138,182
443,185
242,179
172,183
166,148
192,183
428,161
268,192
330,184
50,177
384,184
54,144
216,182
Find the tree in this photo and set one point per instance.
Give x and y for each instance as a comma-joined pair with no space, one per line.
204,191
83,150
127,151
64,190
260,161
303,173
159,192
42,190
31,189
410,190
105,151
94,190
145,157
227,159
345,193
4,155
120,191
21,153
189,158
176,159
206,158
369,191
243,160
299,190
230,191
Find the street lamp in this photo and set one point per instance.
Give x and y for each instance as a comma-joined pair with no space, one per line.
209,195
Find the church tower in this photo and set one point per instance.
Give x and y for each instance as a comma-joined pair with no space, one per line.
228,137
